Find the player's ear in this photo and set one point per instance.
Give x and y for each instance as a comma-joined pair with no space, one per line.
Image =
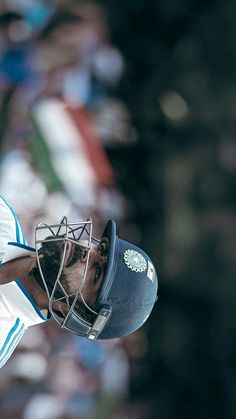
61,307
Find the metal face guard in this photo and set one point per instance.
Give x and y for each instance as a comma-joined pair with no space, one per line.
74,321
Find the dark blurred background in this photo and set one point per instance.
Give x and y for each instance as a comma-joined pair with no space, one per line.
147,89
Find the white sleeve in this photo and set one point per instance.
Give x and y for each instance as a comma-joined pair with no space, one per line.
7,226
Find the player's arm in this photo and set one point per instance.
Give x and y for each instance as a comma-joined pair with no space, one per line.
16,268
7,272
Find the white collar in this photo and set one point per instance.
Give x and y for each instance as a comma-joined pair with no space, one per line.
17,250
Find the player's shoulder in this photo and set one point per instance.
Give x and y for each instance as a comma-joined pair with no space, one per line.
10,229
9,224
6,210
4,203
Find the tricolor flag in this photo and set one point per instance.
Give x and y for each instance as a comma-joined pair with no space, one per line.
68,152
151,271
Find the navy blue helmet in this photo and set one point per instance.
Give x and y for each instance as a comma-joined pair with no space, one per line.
128,292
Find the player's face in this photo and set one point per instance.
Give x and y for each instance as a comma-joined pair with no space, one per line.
74,269
73,273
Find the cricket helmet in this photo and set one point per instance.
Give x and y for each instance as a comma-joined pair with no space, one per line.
129,288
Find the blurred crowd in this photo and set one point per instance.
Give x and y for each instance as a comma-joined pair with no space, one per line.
59,117
59,111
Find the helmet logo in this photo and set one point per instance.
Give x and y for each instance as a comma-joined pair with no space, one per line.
135,261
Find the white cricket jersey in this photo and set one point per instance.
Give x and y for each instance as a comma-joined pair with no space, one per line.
18,310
